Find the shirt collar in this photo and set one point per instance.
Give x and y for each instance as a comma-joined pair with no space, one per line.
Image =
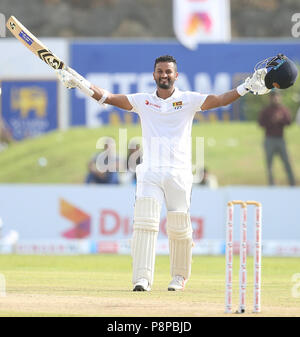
175,95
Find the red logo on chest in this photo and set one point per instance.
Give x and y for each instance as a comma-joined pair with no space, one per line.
152,104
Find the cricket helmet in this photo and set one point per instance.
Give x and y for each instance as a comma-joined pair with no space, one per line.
280,69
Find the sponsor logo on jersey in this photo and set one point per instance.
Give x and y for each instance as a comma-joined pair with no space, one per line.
152,104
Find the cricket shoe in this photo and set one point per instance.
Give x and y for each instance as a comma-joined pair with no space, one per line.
177,283
142,285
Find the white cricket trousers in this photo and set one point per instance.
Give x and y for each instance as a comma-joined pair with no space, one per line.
169,185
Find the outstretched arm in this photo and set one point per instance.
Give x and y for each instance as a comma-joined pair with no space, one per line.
118,100
71,79
215,101
254,84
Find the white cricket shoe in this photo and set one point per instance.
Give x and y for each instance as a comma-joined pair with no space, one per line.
177,283
142,285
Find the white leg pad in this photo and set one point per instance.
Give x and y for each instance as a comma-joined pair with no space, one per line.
179,229
143,244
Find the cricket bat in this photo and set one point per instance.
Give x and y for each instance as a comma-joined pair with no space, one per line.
34,44
44,53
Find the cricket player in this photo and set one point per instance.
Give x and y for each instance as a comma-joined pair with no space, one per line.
165,175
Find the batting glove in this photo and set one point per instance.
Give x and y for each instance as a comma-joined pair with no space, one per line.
71,79
254,84
66,78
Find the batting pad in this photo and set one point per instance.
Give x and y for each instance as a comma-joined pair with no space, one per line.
179,229
143,244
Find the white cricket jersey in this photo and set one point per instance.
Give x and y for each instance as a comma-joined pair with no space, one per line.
166,127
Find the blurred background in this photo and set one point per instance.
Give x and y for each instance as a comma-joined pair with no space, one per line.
53,200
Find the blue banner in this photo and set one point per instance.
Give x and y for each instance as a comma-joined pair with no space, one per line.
128,67
29,108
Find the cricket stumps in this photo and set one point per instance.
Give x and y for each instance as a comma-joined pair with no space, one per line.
243,256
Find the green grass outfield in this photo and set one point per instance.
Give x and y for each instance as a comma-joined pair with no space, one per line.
100,285
233,151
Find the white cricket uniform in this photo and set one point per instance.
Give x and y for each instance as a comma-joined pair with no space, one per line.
166,171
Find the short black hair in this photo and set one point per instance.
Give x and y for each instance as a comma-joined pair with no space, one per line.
166,58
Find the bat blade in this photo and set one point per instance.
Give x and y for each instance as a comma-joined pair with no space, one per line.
33,43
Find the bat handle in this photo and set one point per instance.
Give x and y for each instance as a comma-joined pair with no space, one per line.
83,84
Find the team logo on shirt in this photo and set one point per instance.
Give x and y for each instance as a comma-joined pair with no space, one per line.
177,105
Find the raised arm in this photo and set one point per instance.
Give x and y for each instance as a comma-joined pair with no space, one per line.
71,79
215,101
254,84
118,100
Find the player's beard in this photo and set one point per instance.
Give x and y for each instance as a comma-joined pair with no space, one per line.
165,85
